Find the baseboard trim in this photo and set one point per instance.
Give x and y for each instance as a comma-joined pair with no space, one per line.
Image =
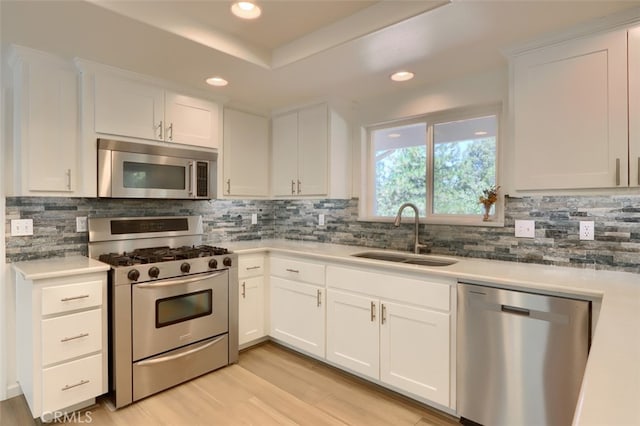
13,390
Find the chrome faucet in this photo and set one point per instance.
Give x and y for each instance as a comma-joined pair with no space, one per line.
396,223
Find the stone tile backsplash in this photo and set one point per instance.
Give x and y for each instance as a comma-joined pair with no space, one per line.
616,245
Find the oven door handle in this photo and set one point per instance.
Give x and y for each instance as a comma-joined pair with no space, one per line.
179,355
181,281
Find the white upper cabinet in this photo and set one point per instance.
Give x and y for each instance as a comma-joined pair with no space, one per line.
128,108
634,107
245,154
313,147
133,108
570,114
311,153
43,158
191,121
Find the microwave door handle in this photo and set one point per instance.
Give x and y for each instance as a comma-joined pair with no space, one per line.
192,178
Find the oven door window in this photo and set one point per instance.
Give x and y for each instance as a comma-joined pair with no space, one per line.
176,309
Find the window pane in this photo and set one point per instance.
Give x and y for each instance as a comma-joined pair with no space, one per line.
400,164
464,164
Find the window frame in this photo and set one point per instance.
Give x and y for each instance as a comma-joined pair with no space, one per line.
432,119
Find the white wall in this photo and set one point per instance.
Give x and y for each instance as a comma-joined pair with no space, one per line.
486,88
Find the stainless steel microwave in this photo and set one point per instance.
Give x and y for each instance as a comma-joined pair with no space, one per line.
137,170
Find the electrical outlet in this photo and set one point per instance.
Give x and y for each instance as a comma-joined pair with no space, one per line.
81,224
254,218
21,227
525,228
587,230
320,219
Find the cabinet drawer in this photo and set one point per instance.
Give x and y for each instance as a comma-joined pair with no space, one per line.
71,336
71,383
71,297
250,266
297,270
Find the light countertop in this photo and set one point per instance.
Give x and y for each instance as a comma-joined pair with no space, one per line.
58,267
610,393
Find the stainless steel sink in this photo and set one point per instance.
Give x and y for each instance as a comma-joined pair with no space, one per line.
424,260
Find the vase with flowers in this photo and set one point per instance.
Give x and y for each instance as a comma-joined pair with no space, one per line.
487,199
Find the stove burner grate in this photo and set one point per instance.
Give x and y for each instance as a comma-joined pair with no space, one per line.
161,254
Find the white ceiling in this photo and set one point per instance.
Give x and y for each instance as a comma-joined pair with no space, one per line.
299,50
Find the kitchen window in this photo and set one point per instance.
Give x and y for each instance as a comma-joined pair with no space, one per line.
440,162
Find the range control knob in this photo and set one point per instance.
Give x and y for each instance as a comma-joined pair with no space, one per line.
154,272
185,267
133,275
226,261
213,264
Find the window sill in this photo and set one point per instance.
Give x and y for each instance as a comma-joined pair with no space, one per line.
474,221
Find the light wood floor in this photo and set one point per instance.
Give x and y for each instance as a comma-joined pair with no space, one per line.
271,385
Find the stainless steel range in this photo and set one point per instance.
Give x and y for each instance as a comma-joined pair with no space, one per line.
173,302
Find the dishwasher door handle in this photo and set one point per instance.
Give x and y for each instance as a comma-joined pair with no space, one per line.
514,310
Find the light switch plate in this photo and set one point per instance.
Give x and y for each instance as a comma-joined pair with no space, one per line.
254,218
21,227
525,228
320,219
81,224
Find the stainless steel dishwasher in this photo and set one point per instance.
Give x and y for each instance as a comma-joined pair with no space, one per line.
521,356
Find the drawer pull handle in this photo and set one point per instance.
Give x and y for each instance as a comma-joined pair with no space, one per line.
617,172
384,314
244,290
80,383
67,299
79,336
373,312
252,267
319,298
295,271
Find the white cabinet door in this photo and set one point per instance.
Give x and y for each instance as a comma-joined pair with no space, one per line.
298,315
353,332
414,350
246,154
128,108
45,125
285,154
570,111
634,106
251,309
191,121
313,150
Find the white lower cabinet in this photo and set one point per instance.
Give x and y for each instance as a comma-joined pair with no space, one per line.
61,325
297,304
391,328
251,321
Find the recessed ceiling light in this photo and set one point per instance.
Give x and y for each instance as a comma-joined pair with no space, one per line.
217,81
245,10
402,76
394,135
480,133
